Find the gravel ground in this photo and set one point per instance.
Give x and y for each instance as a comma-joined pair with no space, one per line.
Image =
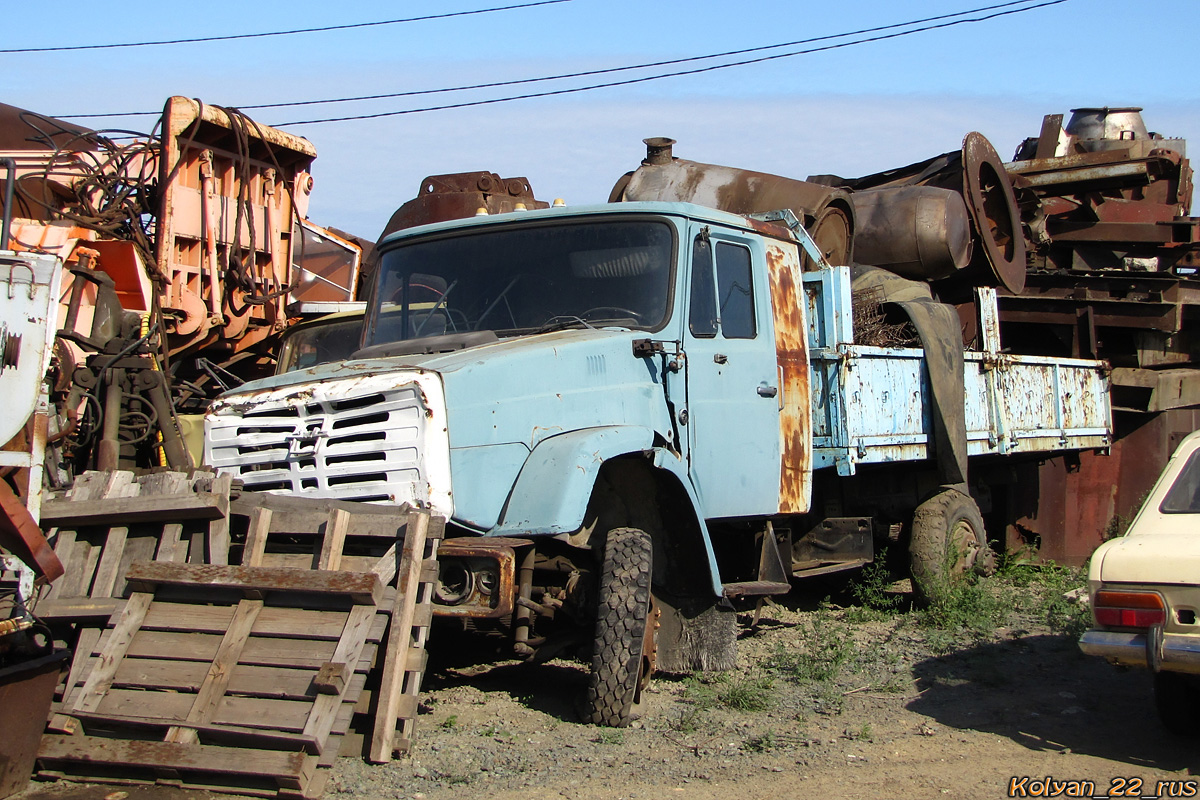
827,697
831,698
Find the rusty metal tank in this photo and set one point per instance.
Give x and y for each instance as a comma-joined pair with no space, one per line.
978,175
826,212
918,232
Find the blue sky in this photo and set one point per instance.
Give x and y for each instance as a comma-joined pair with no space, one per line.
850,111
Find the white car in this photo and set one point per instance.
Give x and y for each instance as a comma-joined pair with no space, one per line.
1145,592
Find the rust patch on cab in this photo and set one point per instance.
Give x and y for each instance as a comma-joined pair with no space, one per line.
791,351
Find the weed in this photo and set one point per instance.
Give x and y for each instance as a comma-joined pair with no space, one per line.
609,736
861,734
827,647
495,731
761,743
871,587
965,606
747,693
450,722
1053,598
1119,524
688,720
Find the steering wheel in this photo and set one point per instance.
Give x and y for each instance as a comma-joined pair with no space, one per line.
621,312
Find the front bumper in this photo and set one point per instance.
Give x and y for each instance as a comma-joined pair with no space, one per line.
1176,653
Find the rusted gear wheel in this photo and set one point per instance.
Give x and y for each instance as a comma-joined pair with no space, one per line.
948,543
619,662
992,204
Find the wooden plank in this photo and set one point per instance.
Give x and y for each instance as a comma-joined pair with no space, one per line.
277,681
64,548
359,587
78,609
221,670
87,639
218,529
399,639
305,561
213,734
295,623
155,673
420,636
169,544
72,512
142,707
89,557
138,547
334,539
385,567
349,650
290,769
256,537
260,651
105,668
267,712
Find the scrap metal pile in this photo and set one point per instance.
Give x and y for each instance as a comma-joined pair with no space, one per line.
183,251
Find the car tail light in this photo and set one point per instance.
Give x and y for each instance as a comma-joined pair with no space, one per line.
1129,609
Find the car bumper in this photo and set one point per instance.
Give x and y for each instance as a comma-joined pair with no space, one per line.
1178,653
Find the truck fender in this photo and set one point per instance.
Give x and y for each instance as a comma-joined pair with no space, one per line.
552,491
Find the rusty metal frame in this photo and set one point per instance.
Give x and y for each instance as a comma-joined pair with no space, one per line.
207,151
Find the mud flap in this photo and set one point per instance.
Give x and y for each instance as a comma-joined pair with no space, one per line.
696,634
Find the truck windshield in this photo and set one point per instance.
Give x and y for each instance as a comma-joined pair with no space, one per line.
524,279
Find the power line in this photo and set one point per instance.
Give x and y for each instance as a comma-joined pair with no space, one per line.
588,73
276,33
610,70
648,65
648,78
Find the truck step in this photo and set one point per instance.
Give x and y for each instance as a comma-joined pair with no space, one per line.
756,588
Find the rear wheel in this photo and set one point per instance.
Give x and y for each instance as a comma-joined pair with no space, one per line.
948,543
623,644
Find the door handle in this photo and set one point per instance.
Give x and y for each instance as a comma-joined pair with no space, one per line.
767,391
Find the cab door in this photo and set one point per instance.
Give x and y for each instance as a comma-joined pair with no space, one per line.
732,377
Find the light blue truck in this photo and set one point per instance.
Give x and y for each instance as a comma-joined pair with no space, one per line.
632,414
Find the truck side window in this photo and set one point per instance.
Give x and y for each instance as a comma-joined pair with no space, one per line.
735,292
702,317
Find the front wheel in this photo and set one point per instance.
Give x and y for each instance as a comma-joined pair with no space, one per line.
948,543
620,657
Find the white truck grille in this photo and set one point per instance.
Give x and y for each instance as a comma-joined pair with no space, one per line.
352,440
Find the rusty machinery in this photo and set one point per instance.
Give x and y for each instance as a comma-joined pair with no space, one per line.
183,251
1086,236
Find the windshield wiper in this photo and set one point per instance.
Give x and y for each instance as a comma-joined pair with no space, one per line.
562,322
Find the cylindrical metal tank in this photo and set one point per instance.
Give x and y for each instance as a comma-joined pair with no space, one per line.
826,212
918,232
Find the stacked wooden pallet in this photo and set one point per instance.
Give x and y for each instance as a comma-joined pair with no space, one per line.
236,658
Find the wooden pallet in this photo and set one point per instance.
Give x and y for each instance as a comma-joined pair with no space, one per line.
256,662
284,531
246,678
107,521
